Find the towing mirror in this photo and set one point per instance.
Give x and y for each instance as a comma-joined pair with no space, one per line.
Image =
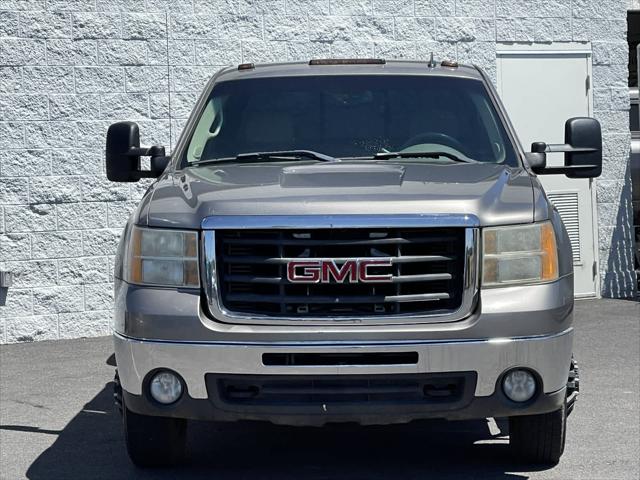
582,150
123,154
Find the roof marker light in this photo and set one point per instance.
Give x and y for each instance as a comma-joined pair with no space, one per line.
347,61
246,66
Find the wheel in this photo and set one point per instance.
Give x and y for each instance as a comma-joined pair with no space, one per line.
154,441
539,438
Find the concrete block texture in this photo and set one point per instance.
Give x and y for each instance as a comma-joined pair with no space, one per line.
69,68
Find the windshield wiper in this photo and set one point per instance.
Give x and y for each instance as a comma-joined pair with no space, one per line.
286,155
450,156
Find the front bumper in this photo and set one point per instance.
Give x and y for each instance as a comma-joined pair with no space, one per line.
496,405
482,361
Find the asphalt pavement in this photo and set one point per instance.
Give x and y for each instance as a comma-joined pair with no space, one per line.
57,421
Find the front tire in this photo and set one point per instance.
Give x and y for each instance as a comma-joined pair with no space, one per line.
539,438
154,441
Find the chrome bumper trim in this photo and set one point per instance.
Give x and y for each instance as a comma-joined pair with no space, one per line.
489,358
350,343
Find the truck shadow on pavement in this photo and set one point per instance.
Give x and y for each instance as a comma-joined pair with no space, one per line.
91,446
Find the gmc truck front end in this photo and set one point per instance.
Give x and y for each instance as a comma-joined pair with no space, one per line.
412,270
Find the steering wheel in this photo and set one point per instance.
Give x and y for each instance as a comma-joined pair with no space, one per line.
433,137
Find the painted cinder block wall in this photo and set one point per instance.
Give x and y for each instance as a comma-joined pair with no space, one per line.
68,68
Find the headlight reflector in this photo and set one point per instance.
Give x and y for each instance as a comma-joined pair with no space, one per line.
519,254
163,257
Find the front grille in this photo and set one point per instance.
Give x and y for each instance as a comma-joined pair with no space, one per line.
427,267
331,390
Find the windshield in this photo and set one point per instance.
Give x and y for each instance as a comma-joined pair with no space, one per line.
351,116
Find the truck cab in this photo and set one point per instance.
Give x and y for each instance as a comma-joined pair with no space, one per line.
346,241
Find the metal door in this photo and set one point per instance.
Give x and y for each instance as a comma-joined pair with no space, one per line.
540,90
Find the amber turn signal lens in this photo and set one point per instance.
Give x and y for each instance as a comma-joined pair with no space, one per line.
550,252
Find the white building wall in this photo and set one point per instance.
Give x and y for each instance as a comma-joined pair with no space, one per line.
68,68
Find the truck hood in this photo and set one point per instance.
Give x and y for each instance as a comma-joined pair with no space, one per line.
496,194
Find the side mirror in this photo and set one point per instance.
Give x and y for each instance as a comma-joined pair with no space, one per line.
585,136
582,150
123,154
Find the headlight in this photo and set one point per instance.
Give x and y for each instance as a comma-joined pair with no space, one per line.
162,257
519,254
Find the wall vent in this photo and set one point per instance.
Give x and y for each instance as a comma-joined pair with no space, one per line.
567,205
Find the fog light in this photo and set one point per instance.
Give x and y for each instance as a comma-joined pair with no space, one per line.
165,387
519,385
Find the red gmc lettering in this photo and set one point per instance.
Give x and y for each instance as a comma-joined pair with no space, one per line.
327,271
310,272
364,275
348,270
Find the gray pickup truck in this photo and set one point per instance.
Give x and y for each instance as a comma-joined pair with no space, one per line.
346,241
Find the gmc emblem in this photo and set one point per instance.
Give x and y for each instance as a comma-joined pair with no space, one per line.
327,271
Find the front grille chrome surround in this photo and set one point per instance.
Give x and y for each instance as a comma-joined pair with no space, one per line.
221,223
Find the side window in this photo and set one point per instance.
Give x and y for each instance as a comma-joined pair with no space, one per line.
489,125
209,126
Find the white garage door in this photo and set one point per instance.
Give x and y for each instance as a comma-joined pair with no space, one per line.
540,90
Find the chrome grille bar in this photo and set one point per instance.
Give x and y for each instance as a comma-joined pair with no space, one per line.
396,279
250,297
284,260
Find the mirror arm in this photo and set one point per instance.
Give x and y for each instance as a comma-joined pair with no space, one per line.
137,152
156,152
153,151
565,169
565,147
538,165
